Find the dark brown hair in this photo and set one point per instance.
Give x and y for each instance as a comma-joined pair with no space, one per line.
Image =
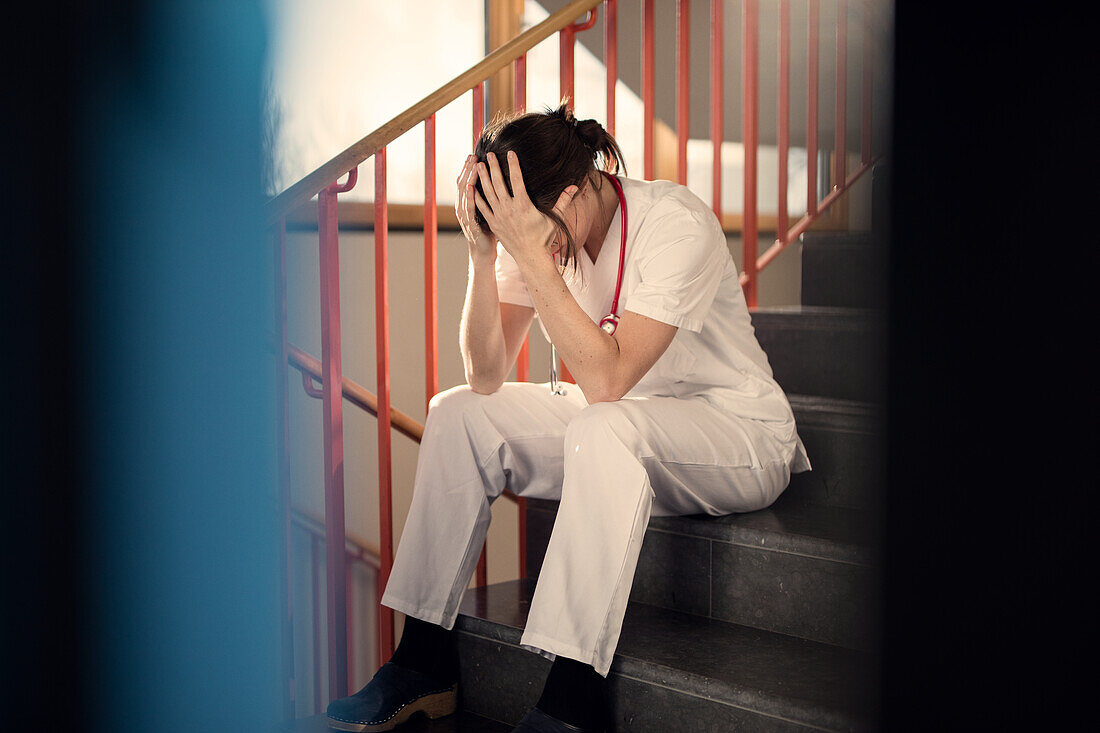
555,151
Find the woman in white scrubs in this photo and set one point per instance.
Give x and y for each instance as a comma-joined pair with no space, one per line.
674,411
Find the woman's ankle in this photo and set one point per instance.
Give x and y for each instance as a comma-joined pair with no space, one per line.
429,649
575,693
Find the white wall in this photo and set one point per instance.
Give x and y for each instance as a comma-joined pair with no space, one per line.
342,68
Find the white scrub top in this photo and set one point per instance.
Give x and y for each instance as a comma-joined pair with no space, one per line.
679,271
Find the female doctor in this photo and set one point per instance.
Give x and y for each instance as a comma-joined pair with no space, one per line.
674,411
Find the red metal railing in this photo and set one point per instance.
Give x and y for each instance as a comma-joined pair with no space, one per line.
355,551
333,421
683,70
717,112
323,183
750,98
841,182
648,85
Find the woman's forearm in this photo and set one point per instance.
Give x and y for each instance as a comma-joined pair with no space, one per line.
481,337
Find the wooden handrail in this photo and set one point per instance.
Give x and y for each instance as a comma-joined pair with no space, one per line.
308,187
355,393
364,399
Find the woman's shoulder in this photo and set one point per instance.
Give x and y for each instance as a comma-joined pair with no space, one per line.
667,205
666,197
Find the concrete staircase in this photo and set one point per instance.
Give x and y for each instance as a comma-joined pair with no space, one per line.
767,621
762,621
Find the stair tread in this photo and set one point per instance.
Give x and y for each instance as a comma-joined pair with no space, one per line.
769,673
813,315
835,413
823,403
462,721
863,238
791,524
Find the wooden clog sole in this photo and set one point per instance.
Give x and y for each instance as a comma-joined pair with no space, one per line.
437,705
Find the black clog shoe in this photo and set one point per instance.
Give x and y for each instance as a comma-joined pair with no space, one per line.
392,696
536,721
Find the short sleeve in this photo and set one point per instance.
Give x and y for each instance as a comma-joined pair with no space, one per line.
681,258
511,287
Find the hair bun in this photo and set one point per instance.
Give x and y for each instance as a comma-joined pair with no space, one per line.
564,114
591,134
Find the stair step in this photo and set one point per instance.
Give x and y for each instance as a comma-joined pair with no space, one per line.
825,351
672,670
843,269
463,721
798,567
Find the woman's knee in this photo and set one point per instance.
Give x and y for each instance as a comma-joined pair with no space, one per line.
456,398
775,482
599,424
450,414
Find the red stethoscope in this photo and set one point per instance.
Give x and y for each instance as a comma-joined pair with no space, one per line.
610,322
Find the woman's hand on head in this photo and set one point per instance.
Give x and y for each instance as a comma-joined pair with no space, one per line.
481,245
523,230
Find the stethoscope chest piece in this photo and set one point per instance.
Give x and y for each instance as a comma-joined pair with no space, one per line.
610,323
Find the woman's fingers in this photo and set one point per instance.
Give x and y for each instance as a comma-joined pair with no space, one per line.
564,199
464,203
487,189
497,177
466,173
463,180
486,211
519,190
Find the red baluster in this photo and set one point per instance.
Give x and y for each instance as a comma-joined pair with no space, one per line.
749,101
811,109
521,84
315,575
282,407
479,111
566,40
382,352
431,286
868,48
523,360
479,124
683,69
333,422
647,89
783,142
839,146
717,103
351,623
565,65
611,57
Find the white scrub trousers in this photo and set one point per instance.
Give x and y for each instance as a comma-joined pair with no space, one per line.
611,464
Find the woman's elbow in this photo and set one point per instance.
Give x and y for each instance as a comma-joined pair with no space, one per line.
605,392
482,383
